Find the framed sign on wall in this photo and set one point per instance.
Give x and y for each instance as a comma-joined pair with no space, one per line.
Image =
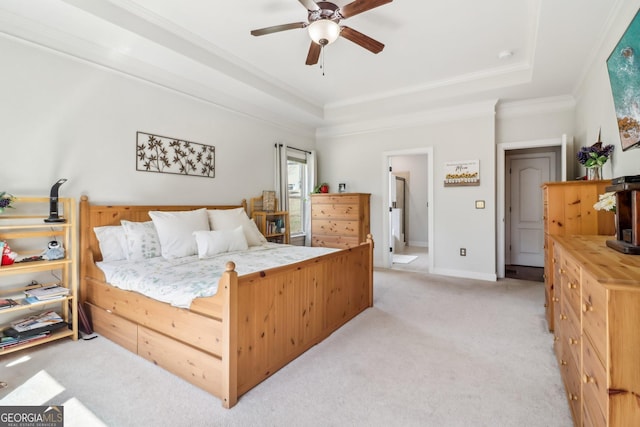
462,173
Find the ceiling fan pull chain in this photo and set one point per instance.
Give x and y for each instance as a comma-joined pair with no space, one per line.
322,64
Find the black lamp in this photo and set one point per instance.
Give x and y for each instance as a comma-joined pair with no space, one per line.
53,203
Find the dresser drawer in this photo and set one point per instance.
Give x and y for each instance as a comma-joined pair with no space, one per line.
335,228
342,211
339,242
572,337
594,313
572,388
594,383
570,286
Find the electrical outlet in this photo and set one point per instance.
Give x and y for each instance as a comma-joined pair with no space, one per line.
463,251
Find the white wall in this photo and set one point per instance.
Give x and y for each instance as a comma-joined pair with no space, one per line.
595,107
66,118
357,157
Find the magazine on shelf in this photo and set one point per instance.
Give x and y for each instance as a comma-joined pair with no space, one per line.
48,292
34,325
7,342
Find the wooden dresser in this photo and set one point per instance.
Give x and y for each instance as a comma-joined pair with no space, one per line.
597,330
568,210
339,220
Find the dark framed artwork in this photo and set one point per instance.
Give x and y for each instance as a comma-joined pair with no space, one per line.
162,154
623,66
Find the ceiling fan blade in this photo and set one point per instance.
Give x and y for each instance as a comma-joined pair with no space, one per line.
310,4
359,6
362,40
277,28
314,54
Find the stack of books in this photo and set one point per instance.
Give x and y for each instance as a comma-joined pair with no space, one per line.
46,293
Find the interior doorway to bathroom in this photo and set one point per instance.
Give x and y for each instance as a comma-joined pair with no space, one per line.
408,216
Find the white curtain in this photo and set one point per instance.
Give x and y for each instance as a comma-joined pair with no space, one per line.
311,184
281,177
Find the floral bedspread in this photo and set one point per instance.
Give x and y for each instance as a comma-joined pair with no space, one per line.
179,281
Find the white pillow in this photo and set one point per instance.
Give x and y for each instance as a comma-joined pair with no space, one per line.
112,241
229,219
142,240
211,243
175,230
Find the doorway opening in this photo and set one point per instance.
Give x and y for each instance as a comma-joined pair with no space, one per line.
522,168
408,229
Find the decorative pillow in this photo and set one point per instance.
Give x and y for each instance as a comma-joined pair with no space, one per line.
211,243
142,240
112,241
229,219
175,230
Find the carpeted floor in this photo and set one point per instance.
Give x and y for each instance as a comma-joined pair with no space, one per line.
432,351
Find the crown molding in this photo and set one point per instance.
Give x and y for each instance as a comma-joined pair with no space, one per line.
529,107
425,117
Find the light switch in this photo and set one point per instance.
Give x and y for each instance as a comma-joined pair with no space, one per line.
479,204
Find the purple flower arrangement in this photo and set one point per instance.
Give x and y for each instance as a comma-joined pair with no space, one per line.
594,156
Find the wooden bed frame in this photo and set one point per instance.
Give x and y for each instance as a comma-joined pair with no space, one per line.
254,325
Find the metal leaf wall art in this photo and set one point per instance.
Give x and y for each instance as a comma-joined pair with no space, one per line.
155,153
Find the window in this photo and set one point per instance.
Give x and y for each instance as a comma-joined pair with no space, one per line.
296,179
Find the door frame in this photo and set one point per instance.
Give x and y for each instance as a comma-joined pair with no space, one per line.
386,226
501,184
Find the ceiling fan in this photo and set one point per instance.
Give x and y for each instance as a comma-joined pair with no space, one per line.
324,25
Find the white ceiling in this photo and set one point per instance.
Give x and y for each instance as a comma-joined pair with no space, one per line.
437,54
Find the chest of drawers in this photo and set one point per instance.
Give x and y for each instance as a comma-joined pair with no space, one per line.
596,338
339,220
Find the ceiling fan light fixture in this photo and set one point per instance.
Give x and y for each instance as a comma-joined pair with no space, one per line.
324,31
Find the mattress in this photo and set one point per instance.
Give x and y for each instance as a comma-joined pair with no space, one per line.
179,281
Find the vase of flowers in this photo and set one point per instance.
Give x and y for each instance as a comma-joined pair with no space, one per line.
6,201
594,157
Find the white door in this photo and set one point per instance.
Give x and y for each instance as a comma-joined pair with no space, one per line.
528,173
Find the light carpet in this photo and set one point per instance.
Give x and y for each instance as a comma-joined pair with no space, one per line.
403,259
432,351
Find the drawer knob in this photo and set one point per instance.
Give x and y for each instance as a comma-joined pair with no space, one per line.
573,341
556,299
587,379
563,317
586,307
556,338
573,396
562,271
572,285
546,305
563,362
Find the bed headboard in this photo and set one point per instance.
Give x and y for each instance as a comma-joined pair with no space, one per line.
98,215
